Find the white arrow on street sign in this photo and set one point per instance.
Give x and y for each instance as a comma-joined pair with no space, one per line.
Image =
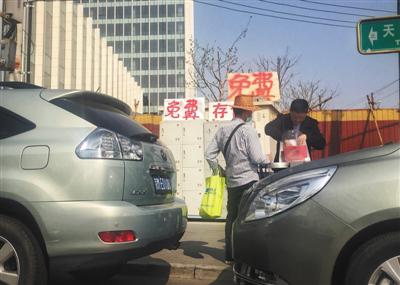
373,36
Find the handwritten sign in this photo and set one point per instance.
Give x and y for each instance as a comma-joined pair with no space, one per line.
259,84
220,111
184,109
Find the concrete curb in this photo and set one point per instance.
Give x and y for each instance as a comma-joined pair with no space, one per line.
184,271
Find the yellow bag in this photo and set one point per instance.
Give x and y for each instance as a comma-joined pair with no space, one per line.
211,202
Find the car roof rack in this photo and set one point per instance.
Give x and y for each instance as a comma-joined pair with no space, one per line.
18,85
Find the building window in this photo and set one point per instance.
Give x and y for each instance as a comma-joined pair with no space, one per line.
128,12
136,46
145,29
93,13
86,12
119,13
110,29
119,30
145,63
145,11
162,11
180,95
180,11
163,63
180,45
102,12
110,12
144,81
171,63
171,95
162,28
127,47
161,98
153,46
119,47
127,29
154,63
145,46
153,81
136,65
163,45
127,63
153,102
171,28
180,62
153,11
136,12
180,29
145,102
102,28
162,81
171,45
136,29
153,29
180,80
171,80
171,10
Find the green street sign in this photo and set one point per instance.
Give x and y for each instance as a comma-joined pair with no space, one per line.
379,35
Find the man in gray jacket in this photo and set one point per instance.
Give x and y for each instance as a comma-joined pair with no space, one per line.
242,151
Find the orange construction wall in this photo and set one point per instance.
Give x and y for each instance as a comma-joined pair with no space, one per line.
349,130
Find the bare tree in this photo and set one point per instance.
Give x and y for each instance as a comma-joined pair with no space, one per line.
312,91
211,66
282,65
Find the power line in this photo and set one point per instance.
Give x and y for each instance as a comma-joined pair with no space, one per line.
388,95
272,16
349,7
386,86
361,100
313,9
287,13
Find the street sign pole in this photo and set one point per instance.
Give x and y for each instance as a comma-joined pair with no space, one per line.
398,56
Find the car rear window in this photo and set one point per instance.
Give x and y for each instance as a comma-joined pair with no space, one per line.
12,124
103,115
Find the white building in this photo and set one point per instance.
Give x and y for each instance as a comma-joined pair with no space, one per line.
153,38
67,53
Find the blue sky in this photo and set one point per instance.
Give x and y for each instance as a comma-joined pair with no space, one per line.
326,53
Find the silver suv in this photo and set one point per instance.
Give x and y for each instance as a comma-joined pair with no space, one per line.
82,186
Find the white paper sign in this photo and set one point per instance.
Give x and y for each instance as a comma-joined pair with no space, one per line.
184,109
260,84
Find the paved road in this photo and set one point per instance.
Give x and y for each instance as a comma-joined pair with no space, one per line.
138,278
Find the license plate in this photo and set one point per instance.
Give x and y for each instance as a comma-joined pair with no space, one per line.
162,185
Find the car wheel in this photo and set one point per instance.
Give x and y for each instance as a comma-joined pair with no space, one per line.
98,274
21,259
377,262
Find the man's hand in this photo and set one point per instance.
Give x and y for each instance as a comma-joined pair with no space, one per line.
302,139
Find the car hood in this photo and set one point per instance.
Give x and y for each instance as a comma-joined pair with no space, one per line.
340,159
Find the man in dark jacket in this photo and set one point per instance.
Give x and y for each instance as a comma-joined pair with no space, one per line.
297,120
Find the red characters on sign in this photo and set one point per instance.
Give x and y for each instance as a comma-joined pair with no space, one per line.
220,110
173,109
191,108
264,83
237,83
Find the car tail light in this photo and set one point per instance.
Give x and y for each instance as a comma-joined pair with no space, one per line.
106,144
117,236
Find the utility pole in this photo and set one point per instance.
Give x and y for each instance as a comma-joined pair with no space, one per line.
2,73
371,104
